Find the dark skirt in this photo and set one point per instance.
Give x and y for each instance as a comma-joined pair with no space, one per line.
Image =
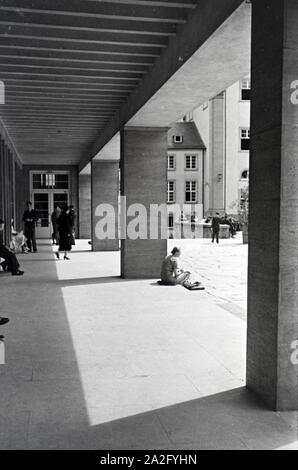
65,242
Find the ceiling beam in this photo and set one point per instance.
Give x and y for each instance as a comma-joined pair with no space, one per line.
68,91
157,3
72,56
73,64
99,77
97,10
60,106
92,24
70,71
11,95
71,83
97,37
77,45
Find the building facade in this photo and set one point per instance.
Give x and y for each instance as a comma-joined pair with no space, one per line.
224,125
185,195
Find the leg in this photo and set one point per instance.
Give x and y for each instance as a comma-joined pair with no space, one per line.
12,263
34,241
29,244
182,278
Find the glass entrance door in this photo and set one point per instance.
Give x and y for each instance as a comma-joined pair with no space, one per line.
59,199
41,204
44,203
49,190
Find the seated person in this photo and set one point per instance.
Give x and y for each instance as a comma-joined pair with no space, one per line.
10,262
170,273
18,241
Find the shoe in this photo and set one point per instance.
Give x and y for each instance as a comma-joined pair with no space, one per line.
65,257
18,273
3,320
57,254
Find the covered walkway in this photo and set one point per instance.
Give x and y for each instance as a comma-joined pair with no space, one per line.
98,362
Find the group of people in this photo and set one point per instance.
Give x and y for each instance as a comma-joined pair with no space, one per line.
24,241
63,223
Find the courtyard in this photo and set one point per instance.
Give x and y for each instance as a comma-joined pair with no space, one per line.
97,362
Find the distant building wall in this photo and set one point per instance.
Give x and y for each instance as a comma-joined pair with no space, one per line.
180,175
219,123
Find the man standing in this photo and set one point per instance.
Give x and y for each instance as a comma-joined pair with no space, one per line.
216,221
72,219
10,262
29,219
54,217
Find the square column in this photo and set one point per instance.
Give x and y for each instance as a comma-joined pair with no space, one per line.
85,206
143,182
104,205
272,346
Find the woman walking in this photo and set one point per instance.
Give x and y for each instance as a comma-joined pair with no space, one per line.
64,227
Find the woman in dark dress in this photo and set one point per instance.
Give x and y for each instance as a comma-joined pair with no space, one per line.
64,228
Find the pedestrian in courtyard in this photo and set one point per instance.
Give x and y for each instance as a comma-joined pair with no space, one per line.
215,225
30,218
10,262
227,221
64,227
54,217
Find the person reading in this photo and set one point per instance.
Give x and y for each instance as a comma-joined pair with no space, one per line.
172,275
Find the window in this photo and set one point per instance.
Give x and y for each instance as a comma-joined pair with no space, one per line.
171,162
61,181
50,181
191,162
244,139
245,89
171,220
171,191
178,139
190,191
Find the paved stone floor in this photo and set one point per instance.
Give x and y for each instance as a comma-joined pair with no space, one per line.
96,362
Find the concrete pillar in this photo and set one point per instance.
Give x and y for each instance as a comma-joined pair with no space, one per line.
105,190
143,181
273,229
85,206
7,189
